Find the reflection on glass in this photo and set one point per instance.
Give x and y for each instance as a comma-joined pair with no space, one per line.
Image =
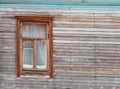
27,43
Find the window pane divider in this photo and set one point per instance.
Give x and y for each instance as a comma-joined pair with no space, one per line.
43,22
33,39
47,46
34,53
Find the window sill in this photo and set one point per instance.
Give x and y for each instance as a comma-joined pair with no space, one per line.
34,76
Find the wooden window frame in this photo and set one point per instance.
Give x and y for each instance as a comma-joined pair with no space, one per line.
34,19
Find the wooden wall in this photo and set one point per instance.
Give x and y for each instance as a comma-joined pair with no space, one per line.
86,48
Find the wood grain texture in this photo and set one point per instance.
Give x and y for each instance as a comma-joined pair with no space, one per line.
86,49
34,53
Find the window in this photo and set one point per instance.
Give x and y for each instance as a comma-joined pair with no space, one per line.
34,45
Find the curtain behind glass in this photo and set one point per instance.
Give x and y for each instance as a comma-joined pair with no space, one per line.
41,55
34,30
27,58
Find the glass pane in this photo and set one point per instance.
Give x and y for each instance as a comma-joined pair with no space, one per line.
34,30
27,58
27,43
41,55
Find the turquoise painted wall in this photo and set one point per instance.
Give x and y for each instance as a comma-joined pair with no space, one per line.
62,1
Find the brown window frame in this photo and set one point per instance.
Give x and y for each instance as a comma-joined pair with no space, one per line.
34,19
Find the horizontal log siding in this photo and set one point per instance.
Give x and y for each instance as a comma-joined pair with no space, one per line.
86,49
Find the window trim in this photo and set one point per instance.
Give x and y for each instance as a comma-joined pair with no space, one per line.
34,19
